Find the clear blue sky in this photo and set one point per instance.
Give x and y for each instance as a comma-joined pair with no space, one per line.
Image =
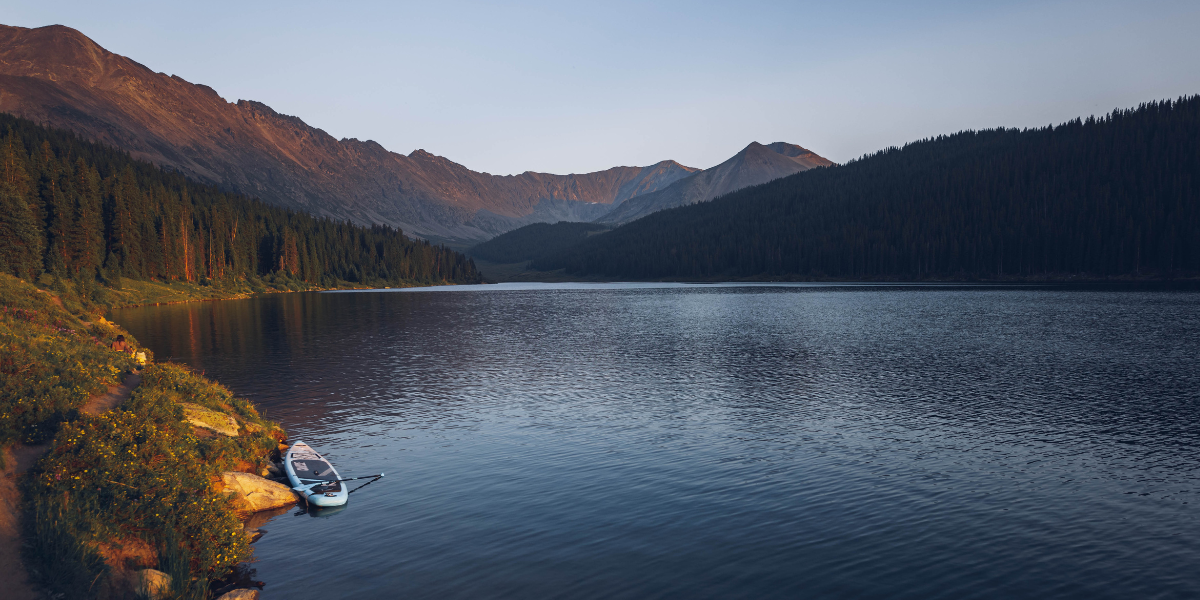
561,88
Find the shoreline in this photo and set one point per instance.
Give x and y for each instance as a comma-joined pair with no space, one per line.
519,272
69,528
274,292
153,293
18,460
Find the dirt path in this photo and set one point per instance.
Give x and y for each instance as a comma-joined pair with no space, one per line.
18,460
116,395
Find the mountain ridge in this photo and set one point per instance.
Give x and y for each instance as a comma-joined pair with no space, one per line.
755,164
58,76
1103,198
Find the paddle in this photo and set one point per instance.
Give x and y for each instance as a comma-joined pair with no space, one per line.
303,489
350,479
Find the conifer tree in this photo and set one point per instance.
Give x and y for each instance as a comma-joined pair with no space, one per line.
87,233
20,236
1112,196
93,211
58,210
20,233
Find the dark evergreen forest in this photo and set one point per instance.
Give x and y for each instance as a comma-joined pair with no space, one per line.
535,241
78,209
1115,196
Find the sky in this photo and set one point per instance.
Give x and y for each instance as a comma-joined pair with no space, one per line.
580,87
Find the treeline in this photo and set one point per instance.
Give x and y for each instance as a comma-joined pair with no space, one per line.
77,209
535,241
1115,196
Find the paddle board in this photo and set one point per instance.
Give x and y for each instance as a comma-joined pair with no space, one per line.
313,477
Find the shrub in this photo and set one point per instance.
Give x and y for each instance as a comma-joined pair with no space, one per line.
138,472
50,362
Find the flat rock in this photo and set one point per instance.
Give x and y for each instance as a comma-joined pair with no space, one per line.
253,534
253,493
262,517
149,583
211,420
240,595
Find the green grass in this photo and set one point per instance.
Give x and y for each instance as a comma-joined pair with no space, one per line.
51,362
55,555
134,475
89,298
138,472
139,293
84,296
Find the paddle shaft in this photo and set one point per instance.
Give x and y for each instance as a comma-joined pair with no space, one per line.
357,478
340,480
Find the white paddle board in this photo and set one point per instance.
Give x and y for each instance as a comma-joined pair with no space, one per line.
313,477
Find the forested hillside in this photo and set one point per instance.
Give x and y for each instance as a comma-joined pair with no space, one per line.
535,241
82,210
1115,196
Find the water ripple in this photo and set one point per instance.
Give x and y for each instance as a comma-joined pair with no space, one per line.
726,442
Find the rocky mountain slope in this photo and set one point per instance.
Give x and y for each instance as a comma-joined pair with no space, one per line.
57,76
755,164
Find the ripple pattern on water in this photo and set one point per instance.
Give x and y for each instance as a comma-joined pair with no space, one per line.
726,442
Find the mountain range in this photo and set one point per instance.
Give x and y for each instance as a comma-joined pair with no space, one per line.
755,164
1113,197
57,76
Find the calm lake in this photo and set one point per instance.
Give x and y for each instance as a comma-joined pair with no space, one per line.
677,441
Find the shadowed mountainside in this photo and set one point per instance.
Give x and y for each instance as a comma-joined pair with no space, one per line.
57,76
1106,197
755,164
535,241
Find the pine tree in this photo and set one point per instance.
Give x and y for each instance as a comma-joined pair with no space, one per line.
87,231
1111,196
58,211
20,235
106,215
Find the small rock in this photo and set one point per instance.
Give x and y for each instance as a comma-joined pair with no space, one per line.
210,419
253,535
274,470
240,595
253,493
262,517
151,584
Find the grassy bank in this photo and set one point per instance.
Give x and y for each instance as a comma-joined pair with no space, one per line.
128,489
51,361
133,489
85,296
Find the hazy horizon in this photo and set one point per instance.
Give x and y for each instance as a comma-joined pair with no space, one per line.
578,89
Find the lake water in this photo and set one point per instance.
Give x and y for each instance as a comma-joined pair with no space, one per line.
670,441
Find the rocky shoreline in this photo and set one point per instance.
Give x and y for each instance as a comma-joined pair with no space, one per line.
257,498
240,487
119,482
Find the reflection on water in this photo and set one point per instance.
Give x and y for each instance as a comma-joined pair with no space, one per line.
715,442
